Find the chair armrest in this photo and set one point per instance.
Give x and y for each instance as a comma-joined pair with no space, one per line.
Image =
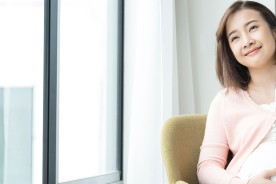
181,182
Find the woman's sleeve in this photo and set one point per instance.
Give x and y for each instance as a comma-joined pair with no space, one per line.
214,149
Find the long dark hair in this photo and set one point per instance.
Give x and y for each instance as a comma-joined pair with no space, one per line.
229,71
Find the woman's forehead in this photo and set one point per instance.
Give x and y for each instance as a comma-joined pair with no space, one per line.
241,18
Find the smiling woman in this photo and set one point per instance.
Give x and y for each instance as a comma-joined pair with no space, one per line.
250,35
243,115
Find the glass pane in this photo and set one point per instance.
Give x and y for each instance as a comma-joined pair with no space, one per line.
87,89
21,91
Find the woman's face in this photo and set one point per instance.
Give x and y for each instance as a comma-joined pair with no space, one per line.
251,39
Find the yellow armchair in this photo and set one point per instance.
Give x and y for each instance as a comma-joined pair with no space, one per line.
181,138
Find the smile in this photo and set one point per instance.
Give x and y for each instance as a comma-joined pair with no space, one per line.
253,51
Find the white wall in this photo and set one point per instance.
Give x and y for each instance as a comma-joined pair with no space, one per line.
203,19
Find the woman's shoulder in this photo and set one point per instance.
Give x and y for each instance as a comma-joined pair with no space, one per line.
228,95
228,103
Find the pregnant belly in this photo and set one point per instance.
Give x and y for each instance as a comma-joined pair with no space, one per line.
263,158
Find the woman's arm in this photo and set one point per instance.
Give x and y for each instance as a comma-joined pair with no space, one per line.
215,148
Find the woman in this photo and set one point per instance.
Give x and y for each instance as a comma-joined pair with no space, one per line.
242,118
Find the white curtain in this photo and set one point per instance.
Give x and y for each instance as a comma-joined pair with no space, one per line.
142,92
151,86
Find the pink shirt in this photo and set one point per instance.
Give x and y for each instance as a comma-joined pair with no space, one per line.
234,122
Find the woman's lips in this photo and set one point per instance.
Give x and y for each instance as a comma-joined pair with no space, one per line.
252,51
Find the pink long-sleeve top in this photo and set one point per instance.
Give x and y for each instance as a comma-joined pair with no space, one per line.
234,123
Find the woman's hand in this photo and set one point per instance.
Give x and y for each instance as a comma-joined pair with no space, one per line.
264,177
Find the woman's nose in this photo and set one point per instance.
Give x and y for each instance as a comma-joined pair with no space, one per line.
248,42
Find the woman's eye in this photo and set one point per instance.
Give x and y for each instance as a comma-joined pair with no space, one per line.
234,38
253,28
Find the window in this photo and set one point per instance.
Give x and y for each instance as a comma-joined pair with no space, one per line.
88,89
21,91
60,91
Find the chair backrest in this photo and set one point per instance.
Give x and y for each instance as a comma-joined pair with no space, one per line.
181,139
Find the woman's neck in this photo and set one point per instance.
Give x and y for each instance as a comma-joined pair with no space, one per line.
262,86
